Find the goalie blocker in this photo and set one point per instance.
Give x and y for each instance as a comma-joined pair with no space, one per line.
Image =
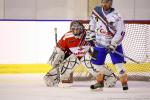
68,65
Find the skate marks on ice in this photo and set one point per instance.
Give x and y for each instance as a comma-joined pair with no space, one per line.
32,87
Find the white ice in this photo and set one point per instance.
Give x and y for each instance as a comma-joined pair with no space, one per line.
32,87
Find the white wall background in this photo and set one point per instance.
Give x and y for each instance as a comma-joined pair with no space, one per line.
68,9
34,41
133,9
29,41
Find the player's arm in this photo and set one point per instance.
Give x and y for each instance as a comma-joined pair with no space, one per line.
90,34
120,31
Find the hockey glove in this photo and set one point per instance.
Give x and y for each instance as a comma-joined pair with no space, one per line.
111,48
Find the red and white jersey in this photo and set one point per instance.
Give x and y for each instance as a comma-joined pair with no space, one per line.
71,44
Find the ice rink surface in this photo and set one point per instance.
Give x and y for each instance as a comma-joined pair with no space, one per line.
32,87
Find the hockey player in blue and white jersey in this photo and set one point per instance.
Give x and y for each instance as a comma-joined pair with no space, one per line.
107,30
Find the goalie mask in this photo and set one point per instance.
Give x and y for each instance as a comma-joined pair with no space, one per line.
76,27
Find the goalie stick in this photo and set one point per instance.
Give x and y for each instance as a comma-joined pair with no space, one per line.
58,69
51,57
55,31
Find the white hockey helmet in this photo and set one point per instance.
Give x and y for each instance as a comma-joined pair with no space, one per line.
76,27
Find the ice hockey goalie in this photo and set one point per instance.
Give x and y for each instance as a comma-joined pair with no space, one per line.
72,50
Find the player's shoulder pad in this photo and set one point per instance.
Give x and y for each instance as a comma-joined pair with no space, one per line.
68,35
117,15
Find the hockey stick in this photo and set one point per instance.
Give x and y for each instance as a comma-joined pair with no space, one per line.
52,57
105,22
123,55
58,69
55,30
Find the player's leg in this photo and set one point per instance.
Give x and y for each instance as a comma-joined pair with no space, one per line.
98,69
119,63
122,75
105,77
109,78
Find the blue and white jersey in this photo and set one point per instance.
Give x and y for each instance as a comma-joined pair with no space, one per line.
109,26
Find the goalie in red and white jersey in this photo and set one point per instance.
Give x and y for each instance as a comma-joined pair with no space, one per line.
71,50
73,41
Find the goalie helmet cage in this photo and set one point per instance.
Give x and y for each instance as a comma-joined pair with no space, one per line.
136,44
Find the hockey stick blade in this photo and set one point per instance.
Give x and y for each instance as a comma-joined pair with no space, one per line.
138,62
126,57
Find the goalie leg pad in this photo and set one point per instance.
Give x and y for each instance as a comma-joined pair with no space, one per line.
57,57
51,78
69,65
